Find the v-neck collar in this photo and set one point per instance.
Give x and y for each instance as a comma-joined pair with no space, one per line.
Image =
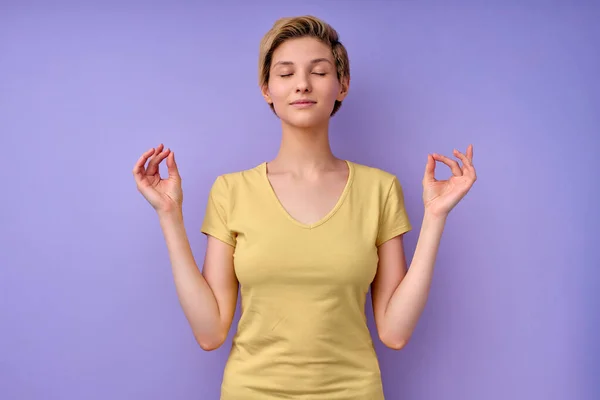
326,217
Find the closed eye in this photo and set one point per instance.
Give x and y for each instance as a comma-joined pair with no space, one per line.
314,73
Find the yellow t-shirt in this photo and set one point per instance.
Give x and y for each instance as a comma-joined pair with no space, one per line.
303,331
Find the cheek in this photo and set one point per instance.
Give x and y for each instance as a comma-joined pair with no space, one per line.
278,92
335,90
328,86
279,98
331,90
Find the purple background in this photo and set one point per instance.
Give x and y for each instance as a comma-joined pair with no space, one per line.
88,308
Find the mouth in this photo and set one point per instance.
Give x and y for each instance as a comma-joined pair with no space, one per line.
303,103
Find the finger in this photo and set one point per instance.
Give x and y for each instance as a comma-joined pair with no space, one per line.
157,150
463,158
454,167
470,152
468,169
429,170
172,166
138,168
155,161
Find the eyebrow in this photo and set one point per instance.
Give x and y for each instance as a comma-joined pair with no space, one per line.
315,61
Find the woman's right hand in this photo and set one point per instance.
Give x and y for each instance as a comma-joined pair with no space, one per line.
164,195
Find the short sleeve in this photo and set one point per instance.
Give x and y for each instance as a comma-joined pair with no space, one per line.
216,216
394,219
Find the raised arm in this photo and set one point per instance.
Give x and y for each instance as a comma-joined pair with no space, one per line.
208,299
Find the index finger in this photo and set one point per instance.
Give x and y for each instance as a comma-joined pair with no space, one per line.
454,167
139,165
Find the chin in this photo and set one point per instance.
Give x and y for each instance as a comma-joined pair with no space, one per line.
305,120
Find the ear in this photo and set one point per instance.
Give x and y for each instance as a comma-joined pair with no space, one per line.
344,87
265,93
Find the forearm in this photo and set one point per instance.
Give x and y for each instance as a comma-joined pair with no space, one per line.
410,297
195,295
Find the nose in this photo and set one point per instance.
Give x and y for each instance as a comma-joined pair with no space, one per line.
303,85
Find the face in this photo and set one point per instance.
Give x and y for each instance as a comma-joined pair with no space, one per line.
303,84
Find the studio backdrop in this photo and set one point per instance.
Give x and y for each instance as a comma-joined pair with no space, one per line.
88,308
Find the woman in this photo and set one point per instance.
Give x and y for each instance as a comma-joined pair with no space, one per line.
305,236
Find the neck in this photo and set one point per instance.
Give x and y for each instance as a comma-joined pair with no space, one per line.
304,150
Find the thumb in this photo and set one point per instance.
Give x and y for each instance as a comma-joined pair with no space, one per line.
172,166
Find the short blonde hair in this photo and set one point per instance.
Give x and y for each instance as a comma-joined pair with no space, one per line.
296,27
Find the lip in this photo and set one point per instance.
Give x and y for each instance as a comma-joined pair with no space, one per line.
303,103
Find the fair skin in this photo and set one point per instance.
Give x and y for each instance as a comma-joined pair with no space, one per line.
308,179
306,176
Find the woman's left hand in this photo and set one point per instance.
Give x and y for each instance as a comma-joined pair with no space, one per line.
440,197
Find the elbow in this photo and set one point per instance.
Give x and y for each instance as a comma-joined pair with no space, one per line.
210,344
396,343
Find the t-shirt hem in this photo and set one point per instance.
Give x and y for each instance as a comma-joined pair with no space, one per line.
222,237
394,233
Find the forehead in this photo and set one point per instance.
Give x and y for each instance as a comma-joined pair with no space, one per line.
301,50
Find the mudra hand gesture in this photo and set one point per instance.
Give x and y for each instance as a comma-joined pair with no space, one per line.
163,194
440,197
